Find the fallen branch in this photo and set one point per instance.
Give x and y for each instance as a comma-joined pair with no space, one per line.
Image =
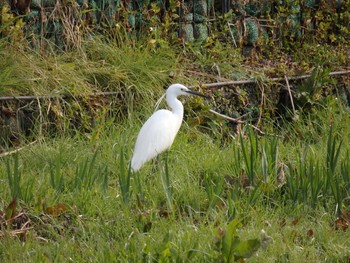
14,233
17,150
236,121
65,96
290,94
252,81
204,74
206,85
226,117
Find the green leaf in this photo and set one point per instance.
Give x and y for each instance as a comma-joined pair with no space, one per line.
10,210
246,248
230,239
232,228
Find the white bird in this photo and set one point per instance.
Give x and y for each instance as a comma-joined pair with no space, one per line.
159,131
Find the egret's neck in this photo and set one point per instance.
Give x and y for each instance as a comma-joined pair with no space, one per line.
175,105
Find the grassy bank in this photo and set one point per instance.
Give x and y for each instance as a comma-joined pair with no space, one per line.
69,193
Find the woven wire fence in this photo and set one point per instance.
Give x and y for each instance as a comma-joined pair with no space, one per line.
246,22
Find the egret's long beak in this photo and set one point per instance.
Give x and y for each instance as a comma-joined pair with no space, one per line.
197,94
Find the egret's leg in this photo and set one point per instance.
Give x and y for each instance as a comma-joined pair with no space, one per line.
167,183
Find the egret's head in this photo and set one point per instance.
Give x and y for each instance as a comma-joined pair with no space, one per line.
179,89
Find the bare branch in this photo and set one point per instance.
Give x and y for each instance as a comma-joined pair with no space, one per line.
290,94
16,150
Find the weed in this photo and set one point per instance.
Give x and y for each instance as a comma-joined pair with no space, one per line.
345,172
56,177
315,178
214,186
332,156
14,177
19,189
250,155
231,247
332,159
269,158
85,174
124,179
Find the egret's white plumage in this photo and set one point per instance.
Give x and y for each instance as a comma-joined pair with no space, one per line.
159,131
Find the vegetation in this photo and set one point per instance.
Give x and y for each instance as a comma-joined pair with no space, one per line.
224,192
72,199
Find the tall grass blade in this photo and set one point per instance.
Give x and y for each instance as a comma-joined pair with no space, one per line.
292,184
214,188
316,182
250,156
264,165
138,186
345,173
124,179
24,192
302,177
56,177
255,193
27,191
85,175
14,177
332,154
337,194
271,147
104,184
332,180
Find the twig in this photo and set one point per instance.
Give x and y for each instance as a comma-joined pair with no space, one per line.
233,38
344,72
290,94
41,118
16,150
261,85
226,117
252,81
239,122
16,232
217,69
242,116
204,74
258,130
26,224
227,83
43,239
64,96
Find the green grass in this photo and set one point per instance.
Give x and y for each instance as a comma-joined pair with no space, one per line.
100,65
207,193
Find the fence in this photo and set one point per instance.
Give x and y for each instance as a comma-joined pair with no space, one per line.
63,22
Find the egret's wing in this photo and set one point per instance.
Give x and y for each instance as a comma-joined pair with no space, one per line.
155,136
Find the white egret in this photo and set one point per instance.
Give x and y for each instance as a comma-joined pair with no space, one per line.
159,131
